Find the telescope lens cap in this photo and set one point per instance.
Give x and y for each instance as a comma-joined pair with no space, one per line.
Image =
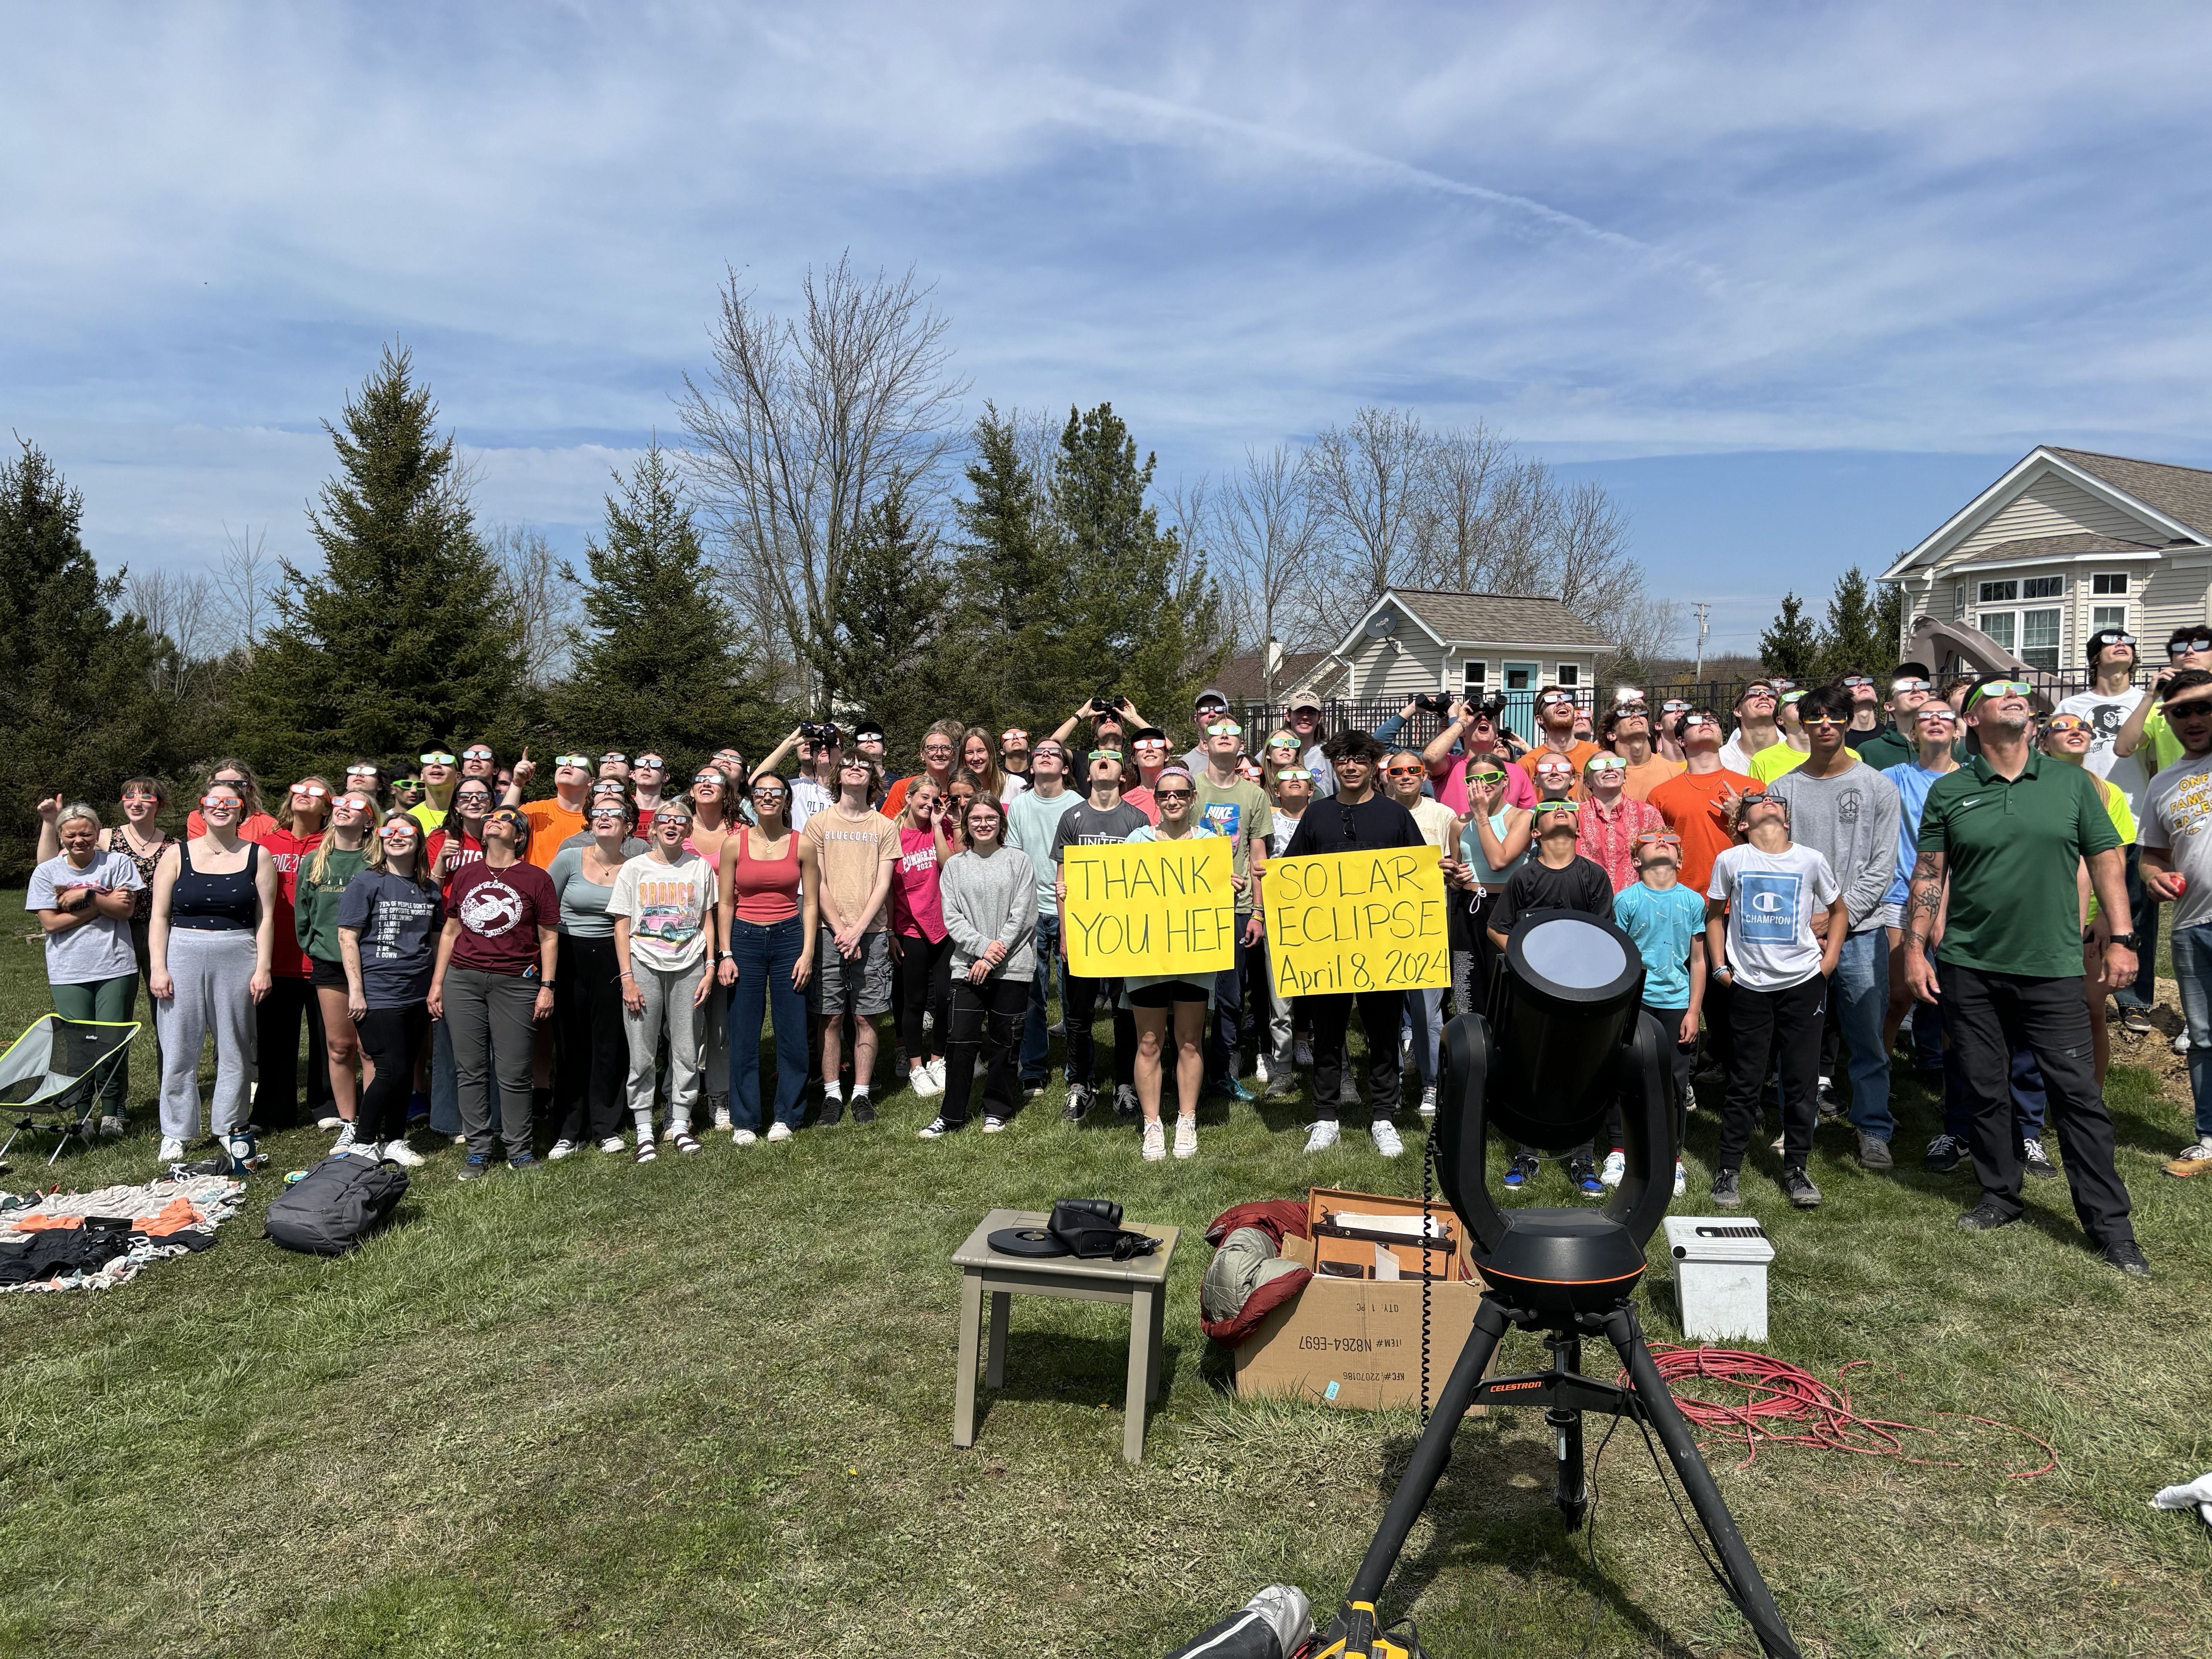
1026,1241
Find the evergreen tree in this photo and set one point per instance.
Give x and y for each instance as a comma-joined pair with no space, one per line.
1790,646
77,680
1009,587
1860,635
887,653
403,638
656,662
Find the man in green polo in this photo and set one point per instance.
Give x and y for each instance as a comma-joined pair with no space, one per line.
2008,833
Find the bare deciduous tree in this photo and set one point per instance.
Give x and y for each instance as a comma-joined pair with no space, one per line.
542,603
182,609
800,424
1267,530
243,582
1368,481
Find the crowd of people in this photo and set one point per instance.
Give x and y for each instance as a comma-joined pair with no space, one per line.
1830,872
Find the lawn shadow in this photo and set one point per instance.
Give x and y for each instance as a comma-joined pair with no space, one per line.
1061,1369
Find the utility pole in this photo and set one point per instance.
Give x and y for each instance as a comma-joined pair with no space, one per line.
1704,617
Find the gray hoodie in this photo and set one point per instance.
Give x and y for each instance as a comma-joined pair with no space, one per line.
1850,819
988,898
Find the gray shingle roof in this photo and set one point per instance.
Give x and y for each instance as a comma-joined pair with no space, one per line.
1240,680
2051,547
2179,492
1503,618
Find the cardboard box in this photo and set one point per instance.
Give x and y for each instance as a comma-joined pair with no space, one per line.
1355,1341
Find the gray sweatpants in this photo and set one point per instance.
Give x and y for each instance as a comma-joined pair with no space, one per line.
487,1017
667,1008
211,972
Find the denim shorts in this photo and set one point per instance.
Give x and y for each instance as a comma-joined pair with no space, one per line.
862,983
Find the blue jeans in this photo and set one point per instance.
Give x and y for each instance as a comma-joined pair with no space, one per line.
1425,1020
1861,987
765,956
1228,1015
2192,967
1036,1045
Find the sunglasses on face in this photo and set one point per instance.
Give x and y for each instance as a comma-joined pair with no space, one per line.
572,760
1751,797
2058,724
229,783
1404,771
1016,736
769,791
1570,807
308,792
1151,746
476,798
220,803
1554,699
2180,646
661,820
437,758
1490,774
1911,685
505,816
1791,696
1857,680
1555,769
1658,838
2196,709
710,780
2010,688
611,758
1766,691
399,829
1607,763
1049,750
857,764
131,795
608,815
1936,713
1106,754
1827,720
1294,774
1700,723
1673,706
1224,729
475,754
1173,794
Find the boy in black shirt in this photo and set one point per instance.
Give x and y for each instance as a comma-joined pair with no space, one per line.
1356,819
1557,878
1102,817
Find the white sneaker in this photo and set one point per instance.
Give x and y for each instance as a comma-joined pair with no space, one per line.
2181,1043
779,1132
721,1114
993,1125
1186,1140
743,1137
936,1065
1689,1097
1260,1068
1680,1182
2200,1149
1428,1100
1156,1142
1385,1133
614,1144
460,1140
400,1153
172,1149
920,1080
1616,1165
327,1123
563,1148
346,1136
1322,1136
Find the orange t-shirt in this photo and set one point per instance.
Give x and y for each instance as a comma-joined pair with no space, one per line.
1578,757
1642,779
1690,806
550,823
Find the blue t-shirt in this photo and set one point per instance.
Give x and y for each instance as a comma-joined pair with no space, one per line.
398,923
1665,923
1913,782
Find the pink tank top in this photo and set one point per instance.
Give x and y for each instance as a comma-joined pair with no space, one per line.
767,888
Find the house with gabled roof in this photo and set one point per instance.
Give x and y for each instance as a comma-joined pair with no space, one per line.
2067,542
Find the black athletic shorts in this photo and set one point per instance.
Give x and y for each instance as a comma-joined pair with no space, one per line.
1165,993
327,975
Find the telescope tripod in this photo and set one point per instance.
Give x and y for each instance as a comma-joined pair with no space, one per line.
1565,1394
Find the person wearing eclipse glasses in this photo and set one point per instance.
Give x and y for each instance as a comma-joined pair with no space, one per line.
2113,698
1557,713
83,897
389,920
1895,742
2175,865
663,907
255,823
441,771
301,818
552,821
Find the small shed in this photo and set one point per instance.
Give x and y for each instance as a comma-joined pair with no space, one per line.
1424,641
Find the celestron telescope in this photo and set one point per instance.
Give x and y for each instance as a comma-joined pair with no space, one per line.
1566,1037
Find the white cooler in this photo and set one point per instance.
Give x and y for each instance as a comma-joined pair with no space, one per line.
1720,1275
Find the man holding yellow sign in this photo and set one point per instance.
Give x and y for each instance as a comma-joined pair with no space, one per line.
1356,915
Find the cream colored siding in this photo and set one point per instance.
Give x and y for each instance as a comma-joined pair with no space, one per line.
2053,506
1380,671
2172,598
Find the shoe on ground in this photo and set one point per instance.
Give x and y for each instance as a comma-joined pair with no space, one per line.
1031,1091
563,1148
614,1144
937,1072
2128,1258
1828,1105
1323,1135
2181,1043
1985,1217
719,1106
1281,1085
1874,1153
1428,1100
1156,1142
993,1125
328,1123
1125,1100
687,1142
1079,1104
646,1151
523,1161
2194,1160
111,1126
1727,1190
1616,1166
1943,1154
1689,1097
1583,1171
1797,1187
742,1137
346,1134
833,1111
1384,1134
400,1153
1186,1140
1227,1088
1520,1171
919,1079
1302,1053
474,1167
2038,1161
1057,1029
1682,1181
2135,1022
779,1131
937,1129
864,1109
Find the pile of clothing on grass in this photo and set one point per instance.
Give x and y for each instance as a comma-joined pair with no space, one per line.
1248,1278
89,1241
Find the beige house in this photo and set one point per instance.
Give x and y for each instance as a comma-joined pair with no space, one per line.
2066,543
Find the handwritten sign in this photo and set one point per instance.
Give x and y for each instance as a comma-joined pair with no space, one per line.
1341,922
1150,907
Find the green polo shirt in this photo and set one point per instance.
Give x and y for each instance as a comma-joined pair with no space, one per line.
2013,848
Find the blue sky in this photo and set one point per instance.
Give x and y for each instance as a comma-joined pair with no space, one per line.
1794,282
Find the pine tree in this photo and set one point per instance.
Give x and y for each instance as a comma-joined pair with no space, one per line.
1860,635
77,680
1790,647
403,638
1009,585
887,653
657,661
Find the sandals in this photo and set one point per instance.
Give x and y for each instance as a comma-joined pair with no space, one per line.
646,1151
687,1142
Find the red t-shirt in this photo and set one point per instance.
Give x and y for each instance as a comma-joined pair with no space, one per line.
471,851
254,828
1690,806
500,912
285,851
917,908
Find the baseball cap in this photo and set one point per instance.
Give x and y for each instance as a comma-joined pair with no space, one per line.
1303,700
1209,695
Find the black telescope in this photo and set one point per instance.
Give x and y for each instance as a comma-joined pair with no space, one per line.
1566,1039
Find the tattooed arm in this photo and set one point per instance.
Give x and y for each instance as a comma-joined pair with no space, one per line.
1923,909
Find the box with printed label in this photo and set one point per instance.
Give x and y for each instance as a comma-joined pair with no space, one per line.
1352,1336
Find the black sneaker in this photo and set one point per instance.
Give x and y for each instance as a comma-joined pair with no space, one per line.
2038,1161
864,1109
1079,1104
1520,1171
523,1161
1985,1217
1830,1107
1797,1187
1125,1100
473,1167
1727,1194
1874,1153
2128,1259
1943,1154
1582,1172
833,1111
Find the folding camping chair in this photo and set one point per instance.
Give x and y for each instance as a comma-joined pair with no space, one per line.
51,1075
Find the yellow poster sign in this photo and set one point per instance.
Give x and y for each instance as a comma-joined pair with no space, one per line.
1341,922
1150,907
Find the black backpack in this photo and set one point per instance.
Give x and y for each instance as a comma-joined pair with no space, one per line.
331,1208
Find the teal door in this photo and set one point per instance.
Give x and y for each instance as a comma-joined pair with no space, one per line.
1522,679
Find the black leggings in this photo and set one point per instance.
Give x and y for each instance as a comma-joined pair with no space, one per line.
391,1038
592,1068
998,1005
924,979
277,1020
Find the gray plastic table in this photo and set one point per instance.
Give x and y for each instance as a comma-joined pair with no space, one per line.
1141,1282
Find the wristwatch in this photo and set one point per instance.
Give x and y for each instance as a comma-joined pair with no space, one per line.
2133,941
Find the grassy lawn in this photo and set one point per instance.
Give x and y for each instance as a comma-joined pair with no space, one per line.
703,1408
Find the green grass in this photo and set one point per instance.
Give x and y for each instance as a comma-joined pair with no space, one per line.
703,1408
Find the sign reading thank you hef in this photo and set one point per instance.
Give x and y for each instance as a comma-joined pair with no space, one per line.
1150,907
